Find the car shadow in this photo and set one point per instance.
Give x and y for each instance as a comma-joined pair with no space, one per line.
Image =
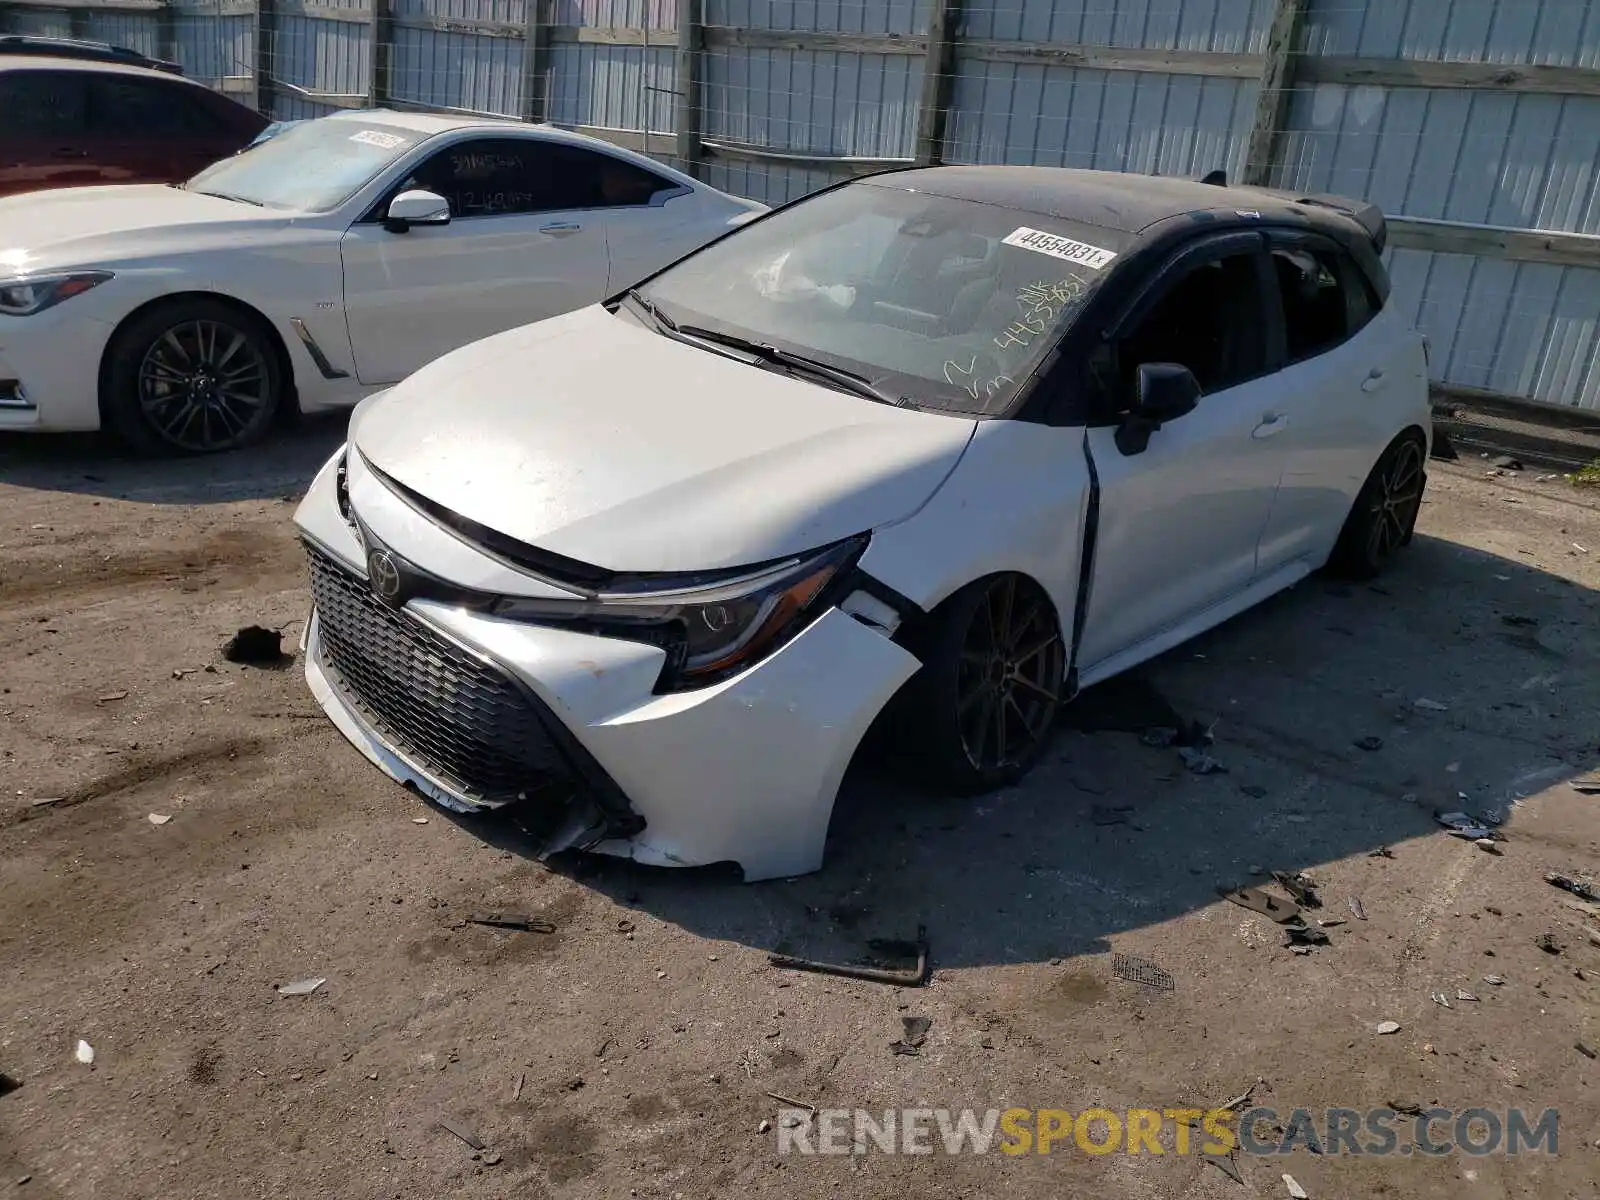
1110,833
93,465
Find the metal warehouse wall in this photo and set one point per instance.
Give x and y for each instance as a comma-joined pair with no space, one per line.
1474,123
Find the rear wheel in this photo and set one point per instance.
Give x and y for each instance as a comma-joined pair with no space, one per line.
194,376
985,702
1384,515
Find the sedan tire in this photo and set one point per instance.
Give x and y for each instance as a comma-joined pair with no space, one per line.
984,706
1384,516
193,376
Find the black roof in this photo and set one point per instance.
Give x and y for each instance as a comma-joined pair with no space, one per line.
1125,202
83,51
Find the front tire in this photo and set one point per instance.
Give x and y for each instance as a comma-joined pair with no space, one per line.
193,376
984,704
1384,516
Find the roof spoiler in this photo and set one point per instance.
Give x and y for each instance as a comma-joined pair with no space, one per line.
1369,216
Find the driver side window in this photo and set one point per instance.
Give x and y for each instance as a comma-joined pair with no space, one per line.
1212,320
485,177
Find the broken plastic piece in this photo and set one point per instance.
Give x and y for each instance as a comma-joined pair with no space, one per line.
302,987
1423,704
1300,887
1296,1192
1577,887
1388,1027
1357,909
85,1053
159,818
1304,935
1199,762
1267,905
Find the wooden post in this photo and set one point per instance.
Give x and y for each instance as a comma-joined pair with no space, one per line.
1277,81
691,38
535,51
265,46
381,86
938,81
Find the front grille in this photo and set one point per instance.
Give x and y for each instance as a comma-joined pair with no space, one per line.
461,719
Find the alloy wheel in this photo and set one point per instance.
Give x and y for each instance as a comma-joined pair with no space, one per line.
1395,507
203,384
1009,678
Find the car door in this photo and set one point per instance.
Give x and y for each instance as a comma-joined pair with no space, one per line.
1340,363
515,251
44,135
1179,521
650,220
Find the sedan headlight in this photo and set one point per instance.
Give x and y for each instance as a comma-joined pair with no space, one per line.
24,297
709,629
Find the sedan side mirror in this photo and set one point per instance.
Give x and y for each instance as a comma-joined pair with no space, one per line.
416,207
1164,392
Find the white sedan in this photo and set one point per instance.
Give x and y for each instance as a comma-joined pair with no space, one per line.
338,256
959,441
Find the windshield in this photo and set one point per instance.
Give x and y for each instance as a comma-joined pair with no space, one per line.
949,303
311,167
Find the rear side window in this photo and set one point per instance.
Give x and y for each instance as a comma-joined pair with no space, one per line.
1326,298
579,178
147,108
43,104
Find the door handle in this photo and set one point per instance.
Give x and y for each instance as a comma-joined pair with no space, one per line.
560,229
1373,381
1271,423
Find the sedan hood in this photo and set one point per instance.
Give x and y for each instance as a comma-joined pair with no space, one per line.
594,438
41,231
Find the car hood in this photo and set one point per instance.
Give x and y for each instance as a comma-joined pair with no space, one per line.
91,225
595,438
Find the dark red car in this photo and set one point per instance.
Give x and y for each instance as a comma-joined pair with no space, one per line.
67,121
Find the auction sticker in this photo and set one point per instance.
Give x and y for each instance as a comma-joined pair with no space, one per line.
1056,246
371,137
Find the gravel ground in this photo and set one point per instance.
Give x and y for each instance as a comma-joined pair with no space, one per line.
630,1051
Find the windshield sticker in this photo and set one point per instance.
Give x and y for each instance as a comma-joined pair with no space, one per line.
1055,246
384,141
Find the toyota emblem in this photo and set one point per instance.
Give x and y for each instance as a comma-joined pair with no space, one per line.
384,574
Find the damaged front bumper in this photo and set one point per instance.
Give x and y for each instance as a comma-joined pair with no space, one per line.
742,771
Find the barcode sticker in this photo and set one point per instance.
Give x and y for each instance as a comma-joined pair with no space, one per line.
1056,246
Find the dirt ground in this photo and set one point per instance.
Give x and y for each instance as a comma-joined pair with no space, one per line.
647,1029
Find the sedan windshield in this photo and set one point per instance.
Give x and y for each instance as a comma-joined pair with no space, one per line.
950,304
310,167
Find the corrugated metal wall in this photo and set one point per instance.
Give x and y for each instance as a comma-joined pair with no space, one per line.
1523,161
1520,160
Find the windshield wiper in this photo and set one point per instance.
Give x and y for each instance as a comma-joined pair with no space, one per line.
848,380
652,310
231,196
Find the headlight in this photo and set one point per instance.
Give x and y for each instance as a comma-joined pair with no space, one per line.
24,297
710,630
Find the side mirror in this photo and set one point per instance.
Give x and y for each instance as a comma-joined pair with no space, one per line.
416,207
1163,392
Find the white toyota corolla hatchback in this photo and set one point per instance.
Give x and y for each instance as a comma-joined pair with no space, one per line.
338,256
965,439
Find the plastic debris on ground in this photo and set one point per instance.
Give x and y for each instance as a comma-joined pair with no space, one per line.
1494,980
301,987
1199,762
1357,909
1423,704
1488,845
1441,999
914,1032
1141,971
1301,887
1296,1192
1261,902
1304,935
462,1132
1388,1027
1462,994
159,818
1465,826
1578,887
84,1053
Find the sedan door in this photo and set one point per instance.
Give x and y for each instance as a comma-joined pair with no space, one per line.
1179,521
509,256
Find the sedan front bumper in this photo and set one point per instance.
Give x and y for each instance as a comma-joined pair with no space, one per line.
743,771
